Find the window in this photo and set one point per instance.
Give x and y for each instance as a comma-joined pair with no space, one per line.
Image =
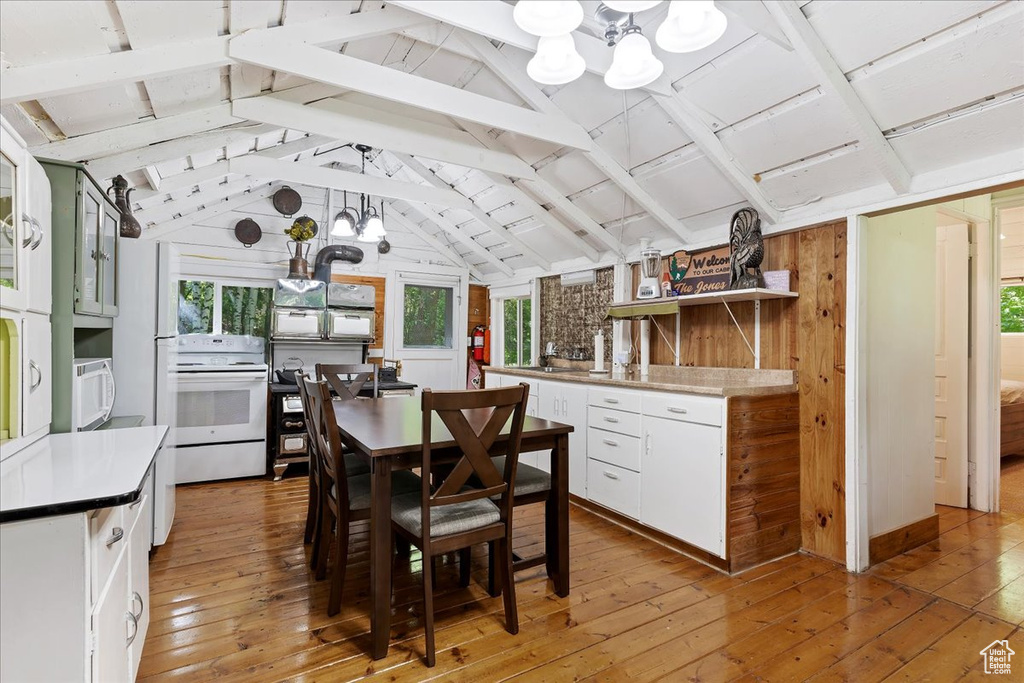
1011,308
206,307
427,318
518,331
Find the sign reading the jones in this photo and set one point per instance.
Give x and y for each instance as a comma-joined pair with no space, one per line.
698,272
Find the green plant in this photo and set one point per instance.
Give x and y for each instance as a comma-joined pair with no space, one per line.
301,230
1011,308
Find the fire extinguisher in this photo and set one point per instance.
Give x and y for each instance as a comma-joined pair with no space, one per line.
478,343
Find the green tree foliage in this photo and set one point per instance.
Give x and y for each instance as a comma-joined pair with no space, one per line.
1011,308
195,307
511,341
427,317
245,310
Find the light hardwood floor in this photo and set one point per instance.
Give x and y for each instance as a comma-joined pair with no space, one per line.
233,600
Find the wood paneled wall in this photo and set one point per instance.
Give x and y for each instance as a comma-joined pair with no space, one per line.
479,307
808,335
379,283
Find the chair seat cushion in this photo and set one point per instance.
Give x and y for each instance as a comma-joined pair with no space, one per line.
354,465
402,483
445,520
529,479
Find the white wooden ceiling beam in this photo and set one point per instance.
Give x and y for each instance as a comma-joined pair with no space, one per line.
167,210
684,115
347,121
520,82
440,247
815,54
213,208
70,76
757,18
286,171
350,73
459,234
494,20
417,169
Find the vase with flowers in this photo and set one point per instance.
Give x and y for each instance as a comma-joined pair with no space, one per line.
301,231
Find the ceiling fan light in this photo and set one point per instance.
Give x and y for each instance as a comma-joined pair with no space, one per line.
633,64
691,26
548,17
556,61
344,224
631,5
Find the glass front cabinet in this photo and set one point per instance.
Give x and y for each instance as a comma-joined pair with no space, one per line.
15,230
96,251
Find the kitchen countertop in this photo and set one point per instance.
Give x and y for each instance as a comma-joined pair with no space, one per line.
688,380
65,473
280,388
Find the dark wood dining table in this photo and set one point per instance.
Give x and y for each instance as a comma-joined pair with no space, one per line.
387,432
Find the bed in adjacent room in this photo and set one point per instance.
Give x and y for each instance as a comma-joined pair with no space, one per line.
1011,417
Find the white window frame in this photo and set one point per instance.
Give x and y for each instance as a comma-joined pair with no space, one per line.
498,339
218,287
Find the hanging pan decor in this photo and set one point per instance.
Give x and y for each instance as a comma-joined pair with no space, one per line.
287,201
248,232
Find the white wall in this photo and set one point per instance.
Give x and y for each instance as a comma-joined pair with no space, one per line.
1011,267
898,277
1012,351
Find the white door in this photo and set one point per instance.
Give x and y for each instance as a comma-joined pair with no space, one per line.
951,329
430,337
574,412
38,390
39,262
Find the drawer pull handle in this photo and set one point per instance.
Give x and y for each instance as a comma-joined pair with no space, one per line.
613,420
611,475
673,409
142,604
611,400
135,628
614,444
293,424
116,536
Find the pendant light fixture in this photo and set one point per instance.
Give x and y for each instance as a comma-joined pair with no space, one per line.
548,17
366,224
691,26
634,64
556,61
345,221
632,6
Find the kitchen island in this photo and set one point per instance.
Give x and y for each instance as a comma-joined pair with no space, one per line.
706,460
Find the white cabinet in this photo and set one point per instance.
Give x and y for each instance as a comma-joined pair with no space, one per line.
137,593
567,403
112,625
15,227
40,281
37,404
682,480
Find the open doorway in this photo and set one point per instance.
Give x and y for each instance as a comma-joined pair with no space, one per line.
1010,224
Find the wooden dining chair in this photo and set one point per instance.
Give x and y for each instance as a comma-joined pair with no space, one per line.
452,516
343,498
532,486
313,512
355,378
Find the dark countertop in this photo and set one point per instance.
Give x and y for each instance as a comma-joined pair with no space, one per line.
279,388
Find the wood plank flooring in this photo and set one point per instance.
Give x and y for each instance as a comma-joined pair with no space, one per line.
233,600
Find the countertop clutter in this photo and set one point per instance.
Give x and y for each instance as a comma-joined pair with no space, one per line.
65,473
690,380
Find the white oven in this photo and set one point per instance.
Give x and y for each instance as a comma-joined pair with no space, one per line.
92,393
218,407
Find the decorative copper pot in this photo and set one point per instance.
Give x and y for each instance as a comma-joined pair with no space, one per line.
298,265
128,226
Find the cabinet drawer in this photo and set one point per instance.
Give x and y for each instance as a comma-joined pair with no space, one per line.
107,536
614,487
615,398
132,510
614,421
615,449
684,407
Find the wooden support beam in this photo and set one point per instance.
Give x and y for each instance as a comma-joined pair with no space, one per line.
440,247
757,18
494,20
524,87
684,115
384,130
65,77
460,234
286,171
213,208
166,210
419,170
817,57
350,73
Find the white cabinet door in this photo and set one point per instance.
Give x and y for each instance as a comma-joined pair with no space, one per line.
112,626
138,580
574,412
549,401
37,406
532,459
39,264
15,230
681,482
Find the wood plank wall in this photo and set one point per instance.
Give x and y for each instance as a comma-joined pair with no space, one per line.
479,308
379,283
807,335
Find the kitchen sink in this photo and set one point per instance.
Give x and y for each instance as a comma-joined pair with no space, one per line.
539,368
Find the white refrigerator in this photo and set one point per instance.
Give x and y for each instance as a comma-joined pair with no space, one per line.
145,355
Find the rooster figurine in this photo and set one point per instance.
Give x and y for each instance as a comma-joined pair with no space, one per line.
746,248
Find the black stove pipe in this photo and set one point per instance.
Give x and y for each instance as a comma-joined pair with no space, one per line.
328,255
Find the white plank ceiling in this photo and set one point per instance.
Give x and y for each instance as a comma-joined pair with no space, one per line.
942,84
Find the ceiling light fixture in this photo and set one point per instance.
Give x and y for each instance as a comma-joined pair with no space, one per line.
366,225
556,61
345,221
634,64
691,26
547,18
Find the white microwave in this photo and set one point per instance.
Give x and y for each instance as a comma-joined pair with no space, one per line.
92,393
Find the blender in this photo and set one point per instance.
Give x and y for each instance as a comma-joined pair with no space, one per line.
650,272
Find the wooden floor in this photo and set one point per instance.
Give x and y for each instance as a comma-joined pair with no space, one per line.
232,600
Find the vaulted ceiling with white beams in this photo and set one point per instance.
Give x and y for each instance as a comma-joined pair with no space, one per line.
206,106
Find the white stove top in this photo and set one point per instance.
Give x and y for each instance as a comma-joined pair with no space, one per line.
220,353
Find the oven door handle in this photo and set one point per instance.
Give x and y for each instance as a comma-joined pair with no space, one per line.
219,377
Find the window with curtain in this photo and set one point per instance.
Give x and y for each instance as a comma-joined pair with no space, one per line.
209,307
427,317
518,331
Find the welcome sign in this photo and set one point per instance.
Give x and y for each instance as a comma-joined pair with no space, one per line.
698,272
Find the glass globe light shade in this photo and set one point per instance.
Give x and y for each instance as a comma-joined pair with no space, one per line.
633,65
373,229
556,61
631,5
691,26
548,17
344,224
